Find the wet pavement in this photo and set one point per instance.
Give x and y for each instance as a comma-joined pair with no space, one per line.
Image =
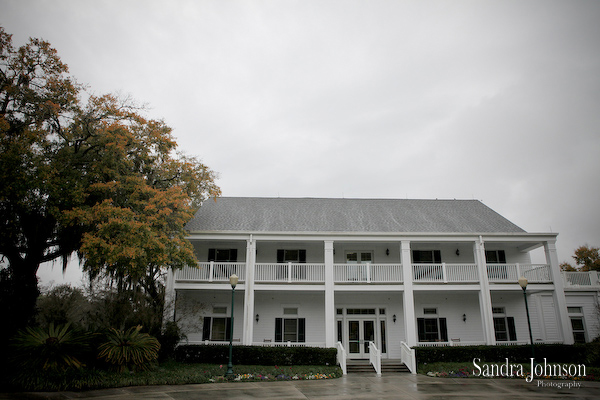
393,386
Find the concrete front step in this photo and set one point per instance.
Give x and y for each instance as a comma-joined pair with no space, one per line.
387,367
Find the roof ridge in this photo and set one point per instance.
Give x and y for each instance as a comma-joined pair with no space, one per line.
341,198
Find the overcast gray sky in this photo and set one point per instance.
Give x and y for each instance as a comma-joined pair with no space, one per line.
493,100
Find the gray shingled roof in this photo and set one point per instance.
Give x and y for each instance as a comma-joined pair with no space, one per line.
255,214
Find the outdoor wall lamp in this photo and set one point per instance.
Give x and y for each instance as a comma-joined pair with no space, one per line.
464,317
387,252
457,252
257,318
394,318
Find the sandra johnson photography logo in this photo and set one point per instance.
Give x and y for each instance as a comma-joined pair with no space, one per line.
538,370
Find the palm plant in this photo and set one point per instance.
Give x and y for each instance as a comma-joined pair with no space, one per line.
50,349
129,349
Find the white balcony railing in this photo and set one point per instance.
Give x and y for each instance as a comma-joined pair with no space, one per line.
510,273
382,273
581,279
290,273
212,272
367,273
444,273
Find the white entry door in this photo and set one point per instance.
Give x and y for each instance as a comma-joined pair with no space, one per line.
360,333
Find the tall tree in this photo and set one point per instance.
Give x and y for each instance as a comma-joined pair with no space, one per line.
96,178
586,259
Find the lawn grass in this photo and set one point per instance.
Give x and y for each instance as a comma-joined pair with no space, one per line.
467,370
169,373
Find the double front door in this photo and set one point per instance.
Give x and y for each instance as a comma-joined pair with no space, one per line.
360,333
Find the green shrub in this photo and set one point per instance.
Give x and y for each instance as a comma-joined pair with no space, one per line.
50,349
169,338
593,353
129,350
257,355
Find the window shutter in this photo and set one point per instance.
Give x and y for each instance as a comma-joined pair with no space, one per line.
212,254
233,255
301,330
443,330
501,257
417,258
228,329
421,329
302,256
512,332
437,257
206,329
279,329
280,255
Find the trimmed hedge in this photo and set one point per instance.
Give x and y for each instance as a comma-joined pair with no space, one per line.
558,353
256,355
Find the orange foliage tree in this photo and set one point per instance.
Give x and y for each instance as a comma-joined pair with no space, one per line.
97,178
586,259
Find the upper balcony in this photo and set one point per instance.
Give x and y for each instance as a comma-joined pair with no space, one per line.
581,280
371,273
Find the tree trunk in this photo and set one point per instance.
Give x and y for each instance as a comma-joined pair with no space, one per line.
19,292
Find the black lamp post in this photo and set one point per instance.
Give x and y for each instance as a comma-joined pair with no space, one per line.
233,279
523,284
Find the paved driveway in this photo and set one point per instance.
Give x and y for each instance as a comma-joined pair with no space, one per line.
397,386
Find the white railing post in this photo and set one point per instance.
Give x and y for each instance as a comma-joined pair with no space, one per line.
519,271
368,273
375,358
211,271
341,357
289,272
444,274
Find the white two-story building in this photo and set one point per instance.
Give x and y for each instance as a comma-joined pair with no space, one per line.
397,273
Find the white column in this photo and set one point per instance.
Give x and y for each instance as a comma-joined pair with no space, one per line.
559,292
485,298
410,322
248,332
329,296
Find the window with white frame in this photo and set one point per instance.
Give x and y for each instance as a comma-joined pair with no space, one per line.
222,255
495,257
217,327
359,257
432,328
290,328
291,255
427,256
504,327
577,324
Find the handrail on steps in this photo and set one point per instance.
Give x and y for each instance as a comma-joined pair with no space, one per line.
375,358
341,357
